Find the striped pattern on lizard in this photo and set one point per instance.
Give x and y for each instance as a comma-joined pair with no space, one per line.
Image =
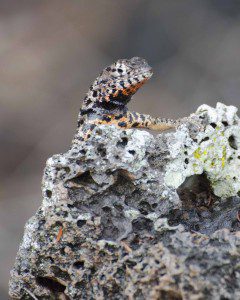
108,96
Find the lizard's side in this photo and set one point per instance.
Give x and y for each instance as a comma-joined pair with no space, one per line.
108,96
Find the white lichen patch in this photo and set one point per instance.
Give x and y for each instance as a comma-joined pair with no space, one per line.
131,214
162,225
215,151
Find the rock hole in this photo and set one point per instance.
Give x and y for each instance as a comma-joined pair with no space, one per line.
110,248
186,161
132,152
62,251
205,139
93,270
194,227
131,263
101,150
102,277
48,193
144,207
80,223
84,179
135,243
67,169
51,284
225,123
125,174
141,224
81,285
79,265
169,295
83,151
58,224
232,142
60,273
106,209
235,225
41,223
214,125
195,191
154,205
118,207
139,295
70,245
123,142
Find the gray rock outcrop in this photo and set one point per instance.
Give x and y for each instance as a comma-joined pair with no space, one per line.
126,215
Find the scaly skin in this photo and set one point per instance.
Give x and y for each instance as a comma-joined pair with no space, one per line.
107,99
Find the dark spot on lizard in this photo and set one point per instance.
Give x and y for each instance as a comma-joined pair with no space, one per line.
130,118
108,105
118,117
122,124
135,124
103,81
106,118
86,111
88,102
80,122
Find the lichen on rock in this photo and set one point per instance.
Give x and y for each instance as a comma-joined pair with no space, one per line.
215,151
126,215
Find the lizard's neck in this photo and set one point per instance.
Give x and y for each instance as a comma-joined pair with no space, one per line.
109,105
99,110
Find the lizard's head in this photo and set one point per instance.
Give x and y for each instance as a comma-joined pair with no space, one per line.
117,83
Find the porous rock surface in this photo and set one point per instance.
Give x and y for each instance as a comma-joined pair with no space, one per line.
126,215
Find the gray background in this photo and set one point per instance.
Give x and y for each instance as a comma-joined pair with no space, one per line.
51,51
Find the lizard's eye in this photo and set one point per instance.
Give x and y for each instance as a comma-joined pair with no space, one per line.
120,70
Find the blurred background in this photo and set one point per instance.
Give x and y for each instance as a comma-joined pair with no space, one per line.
51,51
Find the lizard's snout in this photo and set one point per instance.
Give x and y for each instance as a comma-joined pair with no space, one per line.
140,64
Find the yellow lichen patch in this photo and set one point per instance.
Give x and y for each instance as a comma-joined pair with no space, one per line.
197,153
224,155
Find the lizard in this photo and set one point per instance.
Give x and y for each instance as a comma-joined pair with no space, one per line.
107,98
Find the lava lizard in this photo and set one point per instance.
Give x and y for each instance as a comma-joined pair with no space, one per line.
106,100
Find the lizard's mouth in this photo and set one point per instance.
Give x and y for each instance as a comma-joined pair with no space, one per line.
147,73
